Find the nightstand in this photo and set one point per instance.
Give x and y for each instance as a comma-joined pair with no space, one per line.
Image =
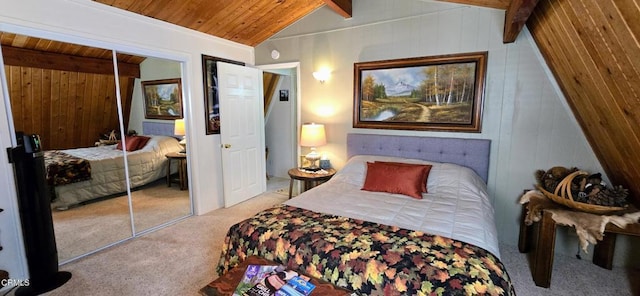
310,179
182,169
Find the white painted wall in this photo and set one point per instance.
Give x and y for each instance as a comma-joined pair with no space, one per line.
90,23
525,116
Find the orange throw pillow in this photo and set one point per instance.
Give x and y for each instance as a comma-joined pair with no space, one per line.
427,169
383,177
142,141
132,143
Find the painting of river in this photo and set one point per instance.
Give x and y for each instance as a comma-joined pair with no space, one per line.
430,93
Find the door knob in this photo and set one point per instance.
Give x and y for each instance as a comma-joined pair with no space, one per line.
227,146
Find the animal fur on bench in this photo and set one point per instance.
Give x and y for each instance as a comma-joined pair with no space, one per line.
589,227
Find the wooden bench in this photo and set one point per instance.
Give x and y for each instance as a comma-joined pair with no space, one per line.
539,239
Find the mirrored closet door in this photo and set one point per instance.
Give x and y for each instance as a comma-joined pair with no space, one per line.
158,198
67,93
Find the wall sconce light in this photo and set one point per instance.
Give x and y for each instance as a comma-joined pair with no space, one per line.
322,75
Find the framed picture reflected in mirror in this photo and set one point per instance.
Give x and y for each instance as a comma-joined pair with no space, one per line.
162,99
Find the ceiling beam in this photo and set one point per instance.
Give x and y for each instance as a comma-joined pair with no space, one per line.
516,16
21,57
341,7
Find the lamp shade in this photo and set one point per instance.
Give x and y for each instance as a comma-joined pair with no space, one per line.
312,135
178,127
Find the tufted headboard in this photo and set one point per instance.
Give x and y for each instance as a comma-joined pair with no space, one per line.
472,153
157,128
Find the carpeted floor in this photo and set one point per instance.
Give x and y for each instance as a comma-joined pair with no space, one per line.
85,228
570,276
180,259
177,260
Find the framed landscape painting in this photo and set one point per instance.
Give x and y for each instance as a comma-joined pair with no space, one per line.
162,99
437,93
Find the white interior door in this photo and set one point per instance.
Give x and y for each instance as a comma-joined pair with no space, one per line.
242,132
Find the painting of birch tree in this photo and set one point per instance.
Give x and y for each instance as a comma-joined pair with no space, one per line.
430,93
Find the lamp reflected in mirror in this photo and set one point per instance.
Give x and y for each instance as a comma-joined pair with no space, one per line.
178,130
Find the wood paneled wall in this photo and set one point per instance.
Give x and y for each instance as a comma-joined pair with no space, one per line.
67,109
592,49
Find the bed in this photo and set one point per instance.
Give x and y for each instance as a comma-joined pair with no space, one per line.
377,243
107,171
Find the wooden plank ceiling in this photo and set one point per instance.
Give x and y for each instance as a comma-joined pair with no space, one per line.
248,21
254,21
593,51
43,45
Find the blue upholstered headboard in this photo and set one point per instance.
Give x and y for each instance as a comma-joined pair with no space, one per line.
157,128
472,153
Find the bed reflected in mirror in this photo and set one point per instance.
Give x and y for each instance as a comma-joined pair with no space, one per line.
158,197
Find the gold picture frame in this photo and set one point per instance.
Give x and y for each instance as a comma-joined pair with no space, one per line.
162,99
435,93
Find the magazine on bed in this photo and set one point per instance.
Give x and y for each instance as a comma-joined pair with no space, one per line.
268,280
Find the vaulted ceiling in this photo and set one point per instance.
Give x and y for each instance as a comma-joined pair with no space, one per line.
247,21
251,22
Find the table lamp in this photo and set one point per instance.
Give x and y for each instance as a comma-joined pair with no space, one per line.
312,135
178,130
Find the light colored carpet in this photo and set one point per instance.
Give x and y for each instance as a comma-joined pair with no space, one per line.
88,227
177,260
285,191
570,276
180,259
280,186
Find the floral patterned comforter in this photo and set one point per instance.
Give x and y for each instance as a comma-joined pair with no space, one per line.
64,169
365,257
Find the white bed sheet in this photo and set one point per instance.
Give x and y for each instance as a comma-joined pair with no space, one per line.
457,205
107,170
